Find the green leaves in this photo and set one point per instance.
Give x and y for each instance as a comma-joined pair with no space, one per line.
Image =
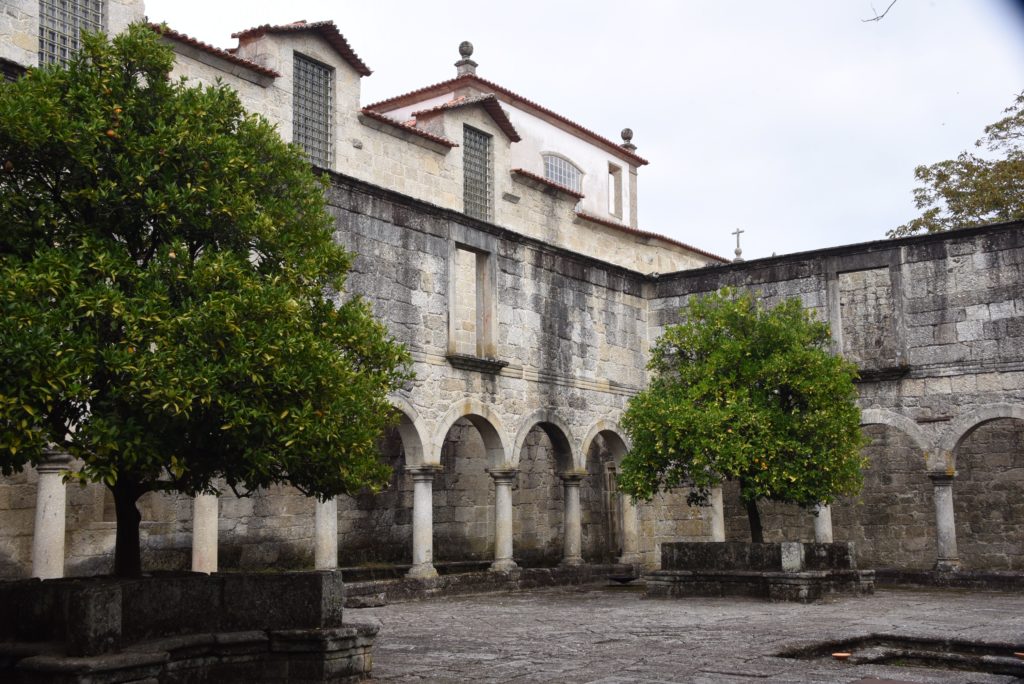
742,392
166,270
974,189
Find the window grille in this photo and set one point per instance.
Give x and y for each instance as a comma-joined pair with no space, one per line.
558,170
311,102
61,23
476,173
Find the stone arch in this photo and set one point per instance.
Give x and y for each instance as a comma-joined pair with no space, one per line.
411,430
891,520
986,451
620,446
566,455
901,423
487,424
961,428
471,449
611,531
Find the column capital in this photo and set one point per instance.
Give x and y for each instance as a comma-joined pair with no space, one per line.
503,475
943,479
55,459
424,471
572,478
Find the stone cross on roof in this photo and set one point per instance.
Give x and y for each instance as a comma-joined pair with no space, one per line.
739,252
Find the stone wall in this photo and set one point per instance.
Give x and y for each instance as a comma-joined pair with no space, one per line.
989,496
935,324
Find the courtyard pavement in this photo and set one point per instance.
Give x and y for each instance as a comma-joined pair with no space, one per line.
611,635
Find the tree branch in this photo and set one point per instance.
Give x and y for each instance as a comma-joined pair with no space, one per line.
878,17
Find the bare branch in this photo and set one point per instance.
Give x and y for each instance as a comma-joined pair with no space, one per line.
878,17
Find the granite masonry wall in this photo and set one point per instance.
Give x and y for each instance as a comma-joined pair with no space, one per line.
936,325
558,344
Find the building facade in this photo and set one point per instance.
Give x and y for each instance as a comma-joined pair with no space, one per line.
500,242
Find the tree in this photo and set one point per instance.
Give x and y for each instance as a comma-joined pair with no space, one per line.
745,393
170,293
974,190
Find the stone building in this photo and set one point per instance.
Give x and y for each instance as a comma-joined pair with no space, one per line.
500,242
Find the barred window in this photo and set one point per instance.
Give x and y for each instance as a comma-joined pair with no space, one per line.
312,88
561,171
476,173
61,23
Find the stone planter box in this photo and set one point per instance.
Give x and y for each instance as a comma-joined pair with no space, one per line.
182,627
788,571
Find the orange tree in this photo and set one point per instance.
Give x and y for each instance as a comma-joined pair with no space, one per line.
170,294
746,393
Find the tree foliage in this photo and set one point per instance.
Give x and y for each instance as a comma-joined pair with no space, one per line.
170,293
974,190
746,393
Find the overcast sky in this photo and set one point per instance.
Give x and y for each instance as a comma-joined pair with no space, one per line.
793,120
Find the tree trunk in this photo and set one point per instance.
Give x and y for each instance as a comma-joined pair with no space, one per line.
754,518
127,551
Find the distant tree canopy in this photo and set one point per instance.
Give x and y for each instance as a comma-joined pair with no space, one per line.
170,293
974,190
746,393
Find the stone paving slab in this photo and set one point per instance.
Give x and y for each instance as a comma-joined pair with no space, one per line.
612,635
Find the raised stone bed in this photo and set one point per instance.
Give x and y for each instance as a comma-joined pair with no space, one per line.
788,571
182,627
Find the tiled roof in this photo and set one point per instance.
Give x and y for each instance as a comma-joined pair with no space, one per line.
377,116
548,182
168,32
643,233
469,79
490,104
326,29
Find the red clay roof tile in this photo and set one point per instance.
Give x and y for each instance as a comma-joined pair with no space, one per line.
226,55
547,181
410,127
469,79
490,104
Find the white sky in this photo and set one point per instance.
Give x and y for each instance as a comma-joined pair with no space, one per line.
791,119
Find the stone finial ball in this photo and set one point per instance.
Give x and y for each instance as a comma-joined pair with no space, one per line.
466,49
627,135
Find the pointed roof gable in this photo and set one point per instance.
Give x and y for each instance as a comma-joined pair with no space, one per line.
490,105
472,80
325,29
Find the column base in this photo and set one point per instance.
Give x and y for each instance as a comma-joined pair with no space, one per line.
503,565
573,560
947,565
422,571
629,558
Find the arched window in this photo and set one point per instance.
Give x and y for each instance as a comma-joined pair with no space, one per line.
562,171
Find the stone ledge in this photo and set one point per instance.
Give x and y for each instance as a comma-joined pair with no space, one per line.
476,363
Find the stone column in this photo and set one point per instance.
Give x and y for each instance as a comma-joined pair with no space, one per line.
325,530
945,524
572,522
630,531
51,504
503,520
823,524
717,515
423,521
205,509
